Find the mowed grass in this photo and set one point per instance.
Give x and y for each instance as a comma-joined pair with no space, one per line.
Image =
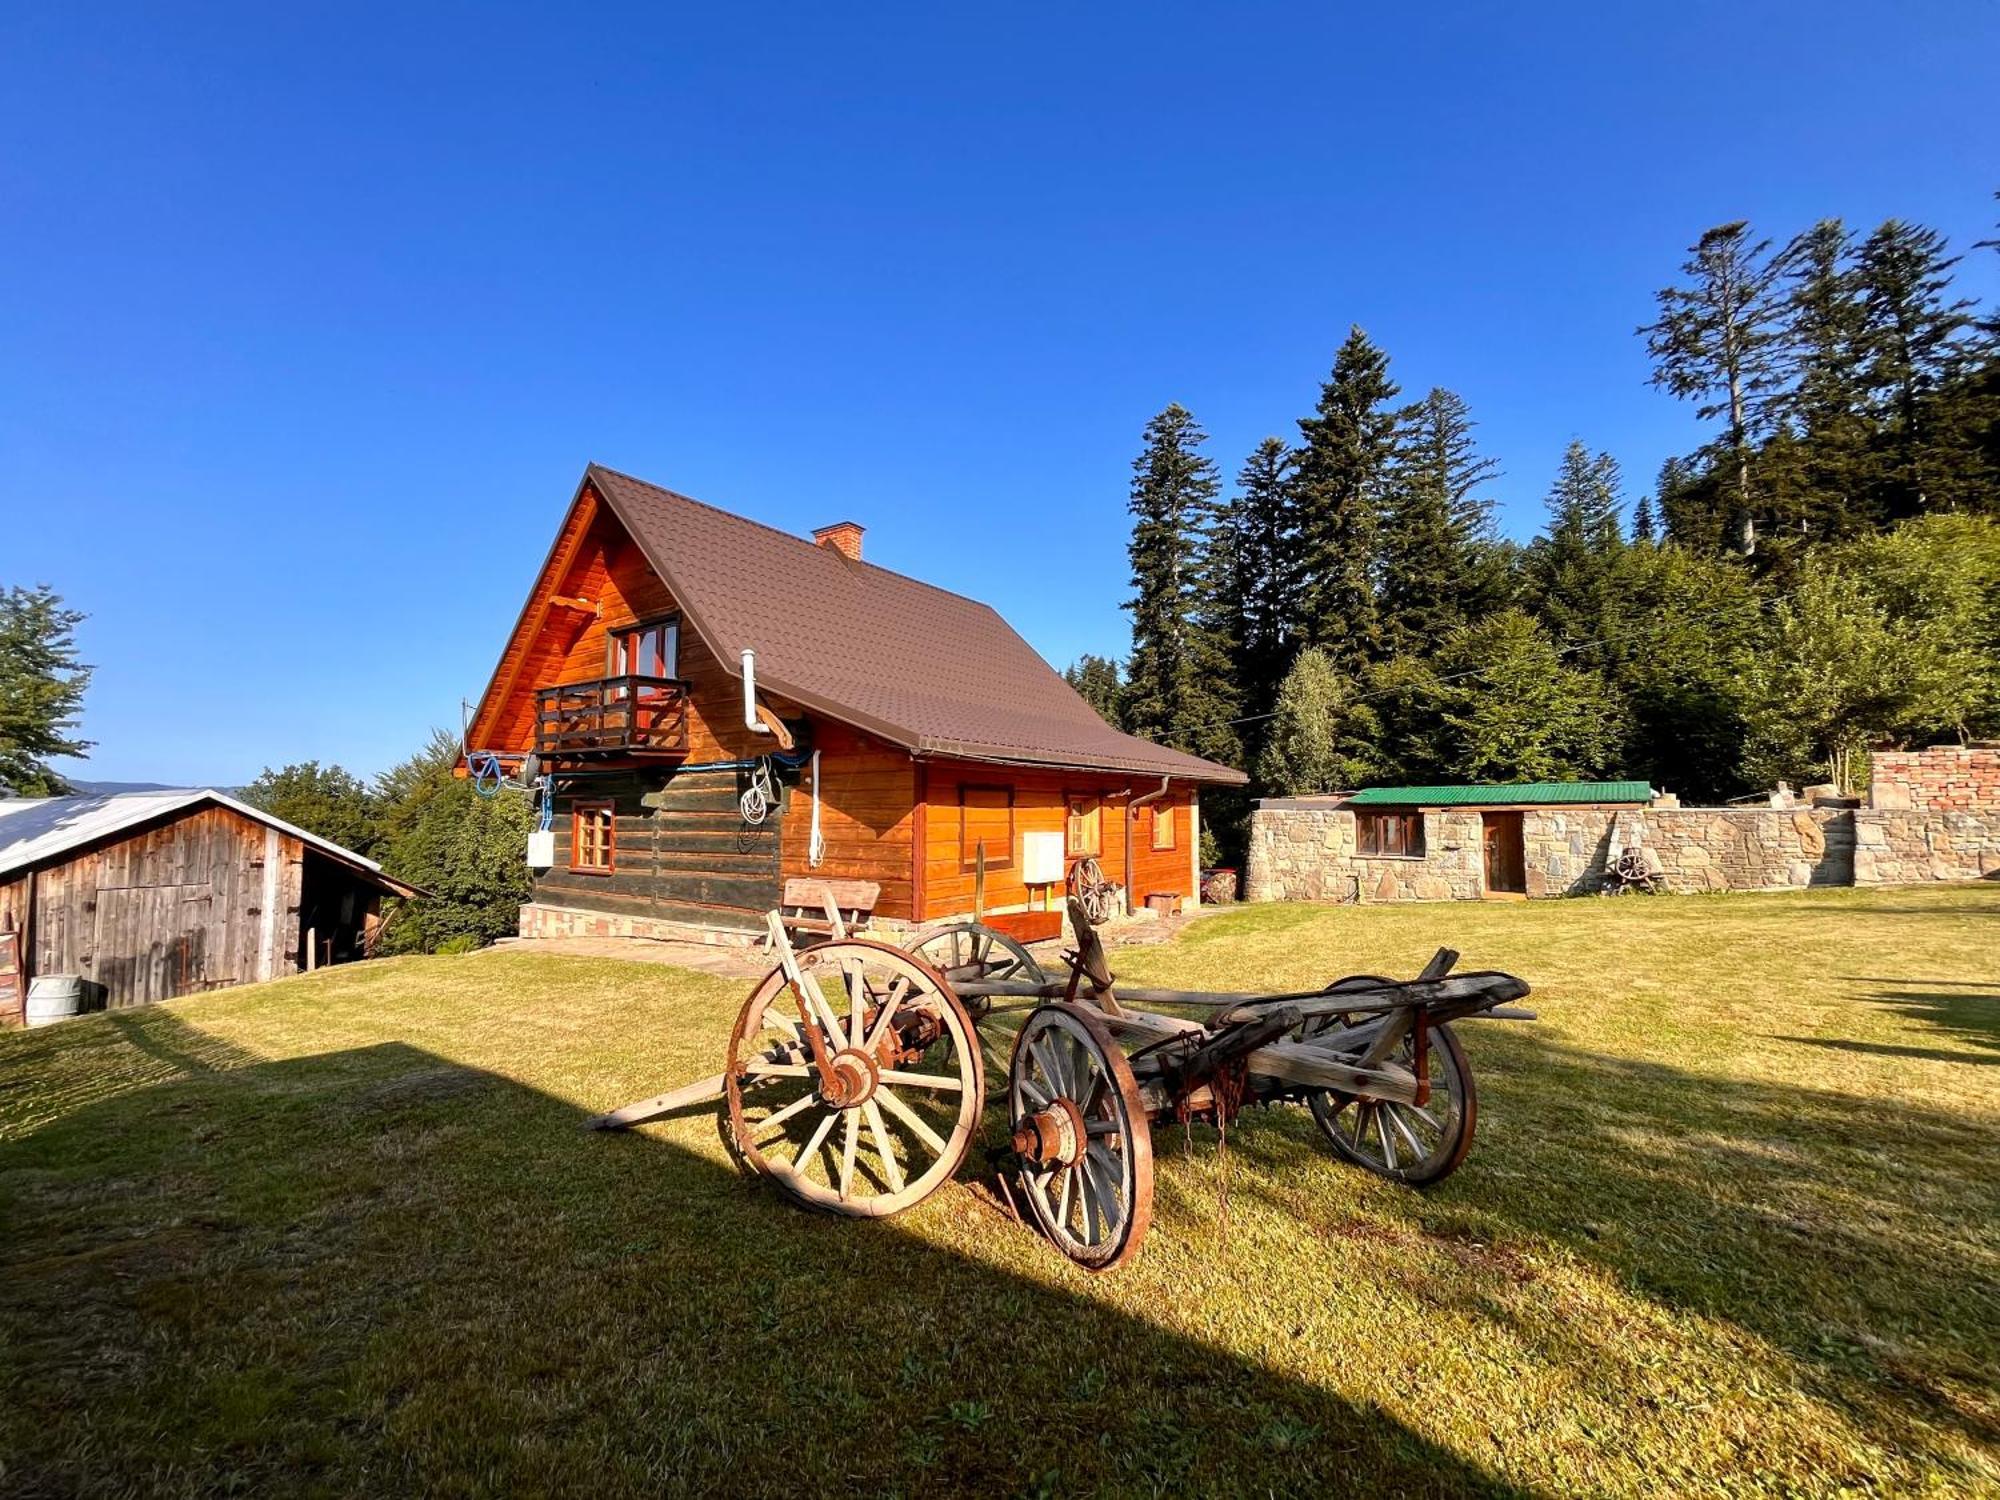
1732,1225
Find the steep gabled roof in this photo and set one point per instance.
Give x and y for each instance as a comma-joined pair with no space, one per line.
35,830
930,670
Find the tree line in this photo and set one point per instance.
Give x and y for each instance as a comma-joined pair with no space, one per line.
1820,576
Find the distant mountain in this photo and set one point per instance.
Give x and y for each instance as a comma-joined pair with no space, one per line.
113,788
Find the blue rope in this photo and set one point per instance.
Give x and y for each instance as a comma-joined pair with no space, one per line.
487,775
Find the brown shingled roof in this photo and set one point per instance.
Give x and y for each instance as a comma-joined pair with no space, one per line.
932,671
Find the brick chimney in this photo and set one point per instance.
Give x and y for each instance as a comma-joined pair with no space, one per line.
843,536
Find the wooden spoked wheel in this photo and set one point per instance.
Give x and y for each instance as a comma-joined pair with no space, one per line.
968,950
908,1080
1417,1144
1083,1136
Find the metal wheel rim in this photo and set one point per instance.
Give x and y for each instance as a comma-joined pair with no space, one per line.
1404,1142
1096,1211
902,1142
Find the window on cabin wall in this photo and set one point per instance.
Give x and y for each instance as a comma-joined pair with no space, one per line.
985,817
1163,828
592,837
650,650
1389,835
1083,825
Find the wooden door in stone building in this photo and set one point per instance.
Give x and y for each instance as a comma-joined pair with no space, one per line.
1506,859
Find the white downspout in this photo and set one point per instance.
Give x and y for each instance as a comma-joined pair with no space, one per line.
750,720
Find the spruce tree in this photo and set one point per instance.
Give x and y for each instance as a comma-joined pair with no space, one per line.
1717,342
1569,564
1178,689
1435,514
1342,464
1826,404
1267,580
1097,682
1913,356
41,690
1644,529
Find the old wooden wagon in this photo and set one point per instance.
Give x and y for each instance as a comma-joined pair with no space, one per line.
855,1076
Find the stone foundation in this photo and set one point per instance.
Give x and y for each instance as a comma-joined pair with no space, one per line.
541,920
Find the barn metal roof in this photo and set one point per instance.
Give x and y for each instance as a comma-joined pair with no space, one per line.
919,666
1531,793
36,830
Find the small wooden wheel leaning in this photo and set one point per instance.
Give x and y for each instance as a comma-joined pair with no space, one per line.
1416,1144
1083,1137
900,1114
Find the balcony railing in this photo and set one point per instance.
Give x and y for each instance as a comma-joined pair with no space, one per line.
628,715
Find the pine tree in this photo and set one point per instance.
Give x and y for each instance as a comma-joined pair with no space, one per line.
1178,689
1644,528
1914,351
1097,682
1266,579
1341,468
41,690
1717,342
1435,513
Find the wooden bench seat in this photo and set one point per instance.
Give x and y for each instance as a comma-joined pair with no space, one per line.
827,908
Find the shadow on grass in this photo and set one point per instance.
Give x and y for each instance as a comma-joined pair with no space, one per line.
375,1271
1850,1233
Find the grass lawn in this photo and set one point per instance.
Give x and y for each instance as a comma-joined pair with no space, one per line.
1732,1225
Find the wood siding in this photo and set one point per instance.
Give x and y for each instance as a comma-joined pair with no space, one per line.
1039,805
207,899
867,815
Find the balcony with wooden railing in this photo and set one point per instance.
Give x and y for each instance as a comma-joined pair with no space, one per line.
629,715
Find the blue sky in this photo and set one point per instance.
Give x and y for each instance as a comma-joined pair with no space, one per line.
312,315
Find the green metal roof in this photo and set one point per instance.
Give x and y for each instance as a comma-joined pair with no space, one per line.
1539,792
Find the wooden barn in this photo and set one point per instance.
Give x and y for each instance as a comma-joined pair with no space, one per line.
151,895
670,655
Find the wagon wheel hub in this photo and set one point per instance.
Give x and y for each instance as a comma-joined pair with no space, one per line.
852,1081
1052,1137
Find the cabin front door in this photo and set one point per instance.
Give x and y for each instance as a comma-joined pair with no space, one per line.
1506,858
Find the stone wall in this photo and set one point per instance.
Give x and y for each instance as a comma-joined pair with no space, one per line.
1906,848
1303,850
1944,778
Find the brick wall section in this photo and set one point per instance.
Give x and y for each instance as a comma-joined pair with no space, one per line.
1945,778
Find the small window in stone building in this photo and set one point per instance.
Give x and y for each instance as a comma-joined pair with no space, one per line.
1389,835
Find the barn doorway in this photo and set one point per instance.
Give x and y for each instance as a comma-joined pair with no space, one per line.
1506,855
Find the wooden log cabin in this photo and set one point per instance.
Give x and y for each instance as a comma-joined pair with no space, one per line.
671,656
154,895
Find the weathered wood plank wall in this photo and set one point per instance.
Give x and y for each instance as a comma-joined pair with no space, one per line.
206,899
